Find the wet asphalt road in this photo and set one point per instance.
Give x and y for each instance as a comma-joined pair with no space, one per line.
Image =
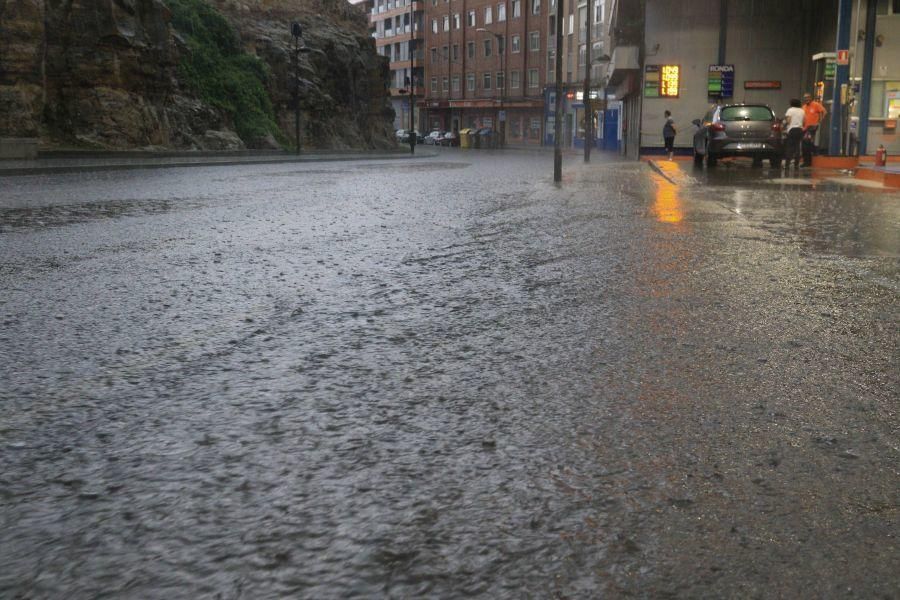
448,378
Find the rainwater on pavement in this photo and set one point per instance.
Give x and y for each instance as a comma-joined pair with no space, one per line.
448,378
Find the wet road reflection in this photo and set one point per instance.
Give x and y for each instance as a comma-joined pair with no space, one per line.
667,204
816,209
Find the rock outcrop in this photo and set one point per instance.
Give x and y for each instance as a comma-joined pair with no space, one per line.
105,73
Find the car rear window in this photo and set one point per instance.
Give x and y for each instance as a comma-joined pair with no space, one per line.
747,113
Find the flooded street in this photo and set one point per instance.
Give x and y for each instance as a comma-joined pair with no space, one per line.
448,378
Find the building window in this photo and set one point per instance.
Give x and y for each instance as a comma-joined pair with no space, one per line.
488,47
500,80
455,83
486,81
534,41
471,19
434,85
434,55
446,22
456,21
501,44
470,49
445,52
470,82
501,11
533,79
434,26
535,7
445,84
514,80
455,52
488,14
517,8
516,44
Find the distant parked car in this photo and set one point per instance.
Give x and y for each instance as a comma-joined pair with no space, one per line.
403,136
434,137
738,130
450,139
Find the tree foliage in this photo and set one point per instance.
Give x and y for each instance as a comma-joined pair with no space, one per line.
220,71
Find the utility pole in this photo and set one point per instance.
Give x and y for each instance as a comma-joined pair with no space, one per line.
501,45
588,105
557,120
412,78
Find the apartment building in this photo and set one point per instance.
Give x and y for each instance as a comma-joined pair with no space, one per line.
485,66
399,35
577,52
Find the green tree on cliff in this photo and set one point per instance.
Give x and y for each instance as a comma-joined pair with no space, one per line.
220,71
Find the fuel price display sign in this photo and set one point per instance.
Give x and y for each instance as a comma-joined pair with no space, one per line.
662,81
720,83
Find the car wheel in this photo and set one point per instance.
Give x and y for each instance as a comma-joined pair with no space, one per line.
710,158
698,158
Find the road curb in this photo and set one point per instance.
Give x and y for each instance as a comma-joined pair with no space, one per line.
57,169
655,167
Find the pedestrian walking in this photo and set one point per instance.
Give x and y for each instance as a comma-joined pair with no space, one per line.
814,112
669,134
793,125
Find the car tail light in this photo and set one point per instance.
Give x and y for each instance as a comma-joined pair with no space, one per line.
776,127
717,127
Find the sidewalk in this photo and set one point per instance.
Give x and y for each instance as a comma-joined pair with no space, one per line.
74,161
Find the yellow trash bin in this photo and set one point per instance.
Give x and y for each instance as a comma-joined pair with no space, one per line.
465,138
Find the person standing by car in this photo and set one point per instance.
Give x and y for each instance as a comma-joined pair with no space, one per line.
793,125
814,112
669,134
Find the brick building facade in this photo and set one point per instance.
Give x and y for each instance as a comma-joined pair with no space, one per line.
484,55
399,33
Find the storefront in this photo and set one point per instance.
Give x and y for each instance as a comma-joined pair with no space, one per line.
523,117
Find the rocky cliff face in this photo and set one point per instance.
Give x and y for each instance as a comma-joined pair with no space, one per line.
105,73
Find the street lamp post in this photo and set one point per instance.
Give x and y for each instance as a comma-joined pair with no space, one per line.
501,50
411,84
588,110
412,78
557,119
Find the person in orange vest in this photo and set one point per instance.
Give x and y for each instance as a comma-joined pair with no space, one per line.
813,113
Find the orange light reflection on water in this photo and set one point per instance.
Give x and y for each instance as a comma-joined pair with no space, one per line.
667,204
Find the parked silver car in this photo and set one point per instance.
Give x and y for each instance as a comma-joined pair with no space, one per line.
738,130
434,138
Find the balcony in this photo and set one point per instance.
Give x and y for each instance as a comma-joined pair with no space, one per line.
380,13
623,60
394,38
404,92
